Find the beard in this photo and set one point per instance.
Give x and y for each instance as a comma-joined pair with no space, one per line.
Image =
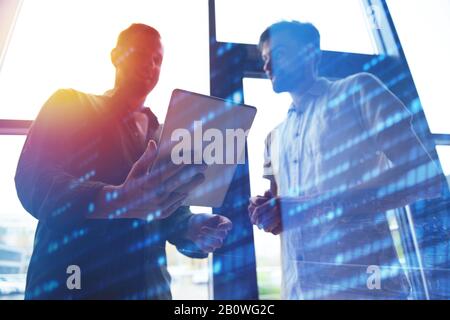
288,81
141,87
285,83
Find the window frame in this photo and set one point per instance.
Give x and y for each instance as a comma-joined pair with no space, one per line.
246,63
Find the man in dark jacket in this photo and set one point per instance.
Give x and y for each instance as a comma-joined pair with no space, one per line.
84,174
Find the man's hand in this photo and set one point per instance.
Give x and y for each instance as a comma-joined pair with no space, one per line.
208,231
150,195
264,212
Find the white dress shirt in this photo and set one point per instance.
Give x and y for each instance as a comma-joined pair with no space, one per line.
334,141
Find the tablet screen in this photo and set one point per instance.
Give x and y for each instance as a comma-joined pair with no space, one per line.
203,129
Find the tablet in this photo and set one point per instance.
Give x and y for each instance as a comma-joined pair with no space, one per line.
204,129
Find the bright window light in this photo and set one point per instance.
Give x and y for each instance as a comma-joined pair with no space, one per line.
444,158
272,110
423,28
11,210
17,226
343,24
67,44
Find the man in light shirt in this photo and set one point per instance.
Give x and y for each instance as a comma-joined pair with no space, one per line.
340,164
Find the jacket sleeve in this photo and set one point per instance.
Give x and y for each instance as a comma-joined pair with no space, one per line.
44,186
175,227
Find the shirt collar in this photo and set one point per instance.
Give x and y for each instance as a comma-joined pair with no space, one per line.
109,94
318,89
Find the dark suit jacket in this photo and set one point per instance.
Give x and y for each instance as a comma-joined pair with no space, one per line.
77,144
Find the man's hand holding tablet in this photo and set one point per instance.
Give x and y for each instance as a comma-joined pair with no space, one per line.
149,194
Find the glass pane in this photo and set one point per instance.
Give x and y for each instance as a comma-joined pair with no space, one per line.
51,49
343,24
444,158
67,44
16,225
423,28
190,277
272,109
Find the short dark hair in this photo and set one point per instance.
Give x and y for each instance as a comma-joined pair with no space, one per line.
127,36
306,33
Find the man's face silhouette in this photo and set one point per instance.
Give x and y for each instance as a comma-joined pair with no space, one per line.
138,65
287,63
